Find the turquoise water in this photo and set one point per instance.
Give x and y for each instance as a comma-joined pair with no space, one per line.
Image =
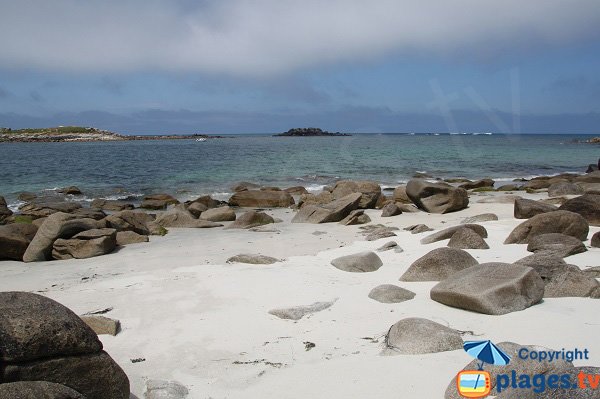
188,168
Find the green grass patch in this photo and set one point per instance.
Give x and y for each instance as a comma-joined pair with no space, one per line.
23,219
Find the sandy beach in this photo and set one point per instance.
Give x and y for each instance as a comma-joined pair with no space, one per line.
197,320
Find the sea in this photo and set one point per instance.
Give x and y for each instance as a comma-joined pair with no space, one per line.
188,168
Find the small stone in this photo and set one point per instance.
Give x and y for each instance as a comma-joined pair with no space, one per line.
389,293
102,325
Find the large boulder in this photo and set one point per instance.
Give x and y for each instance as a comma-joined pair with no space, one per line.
526,208
158,201
491,288
560,279
369,190
251,219
400,195
436,197
449,232
321,198
111,205
138,222
415,336
439,264
389,293
467,239
130,237
560,244
180,217
37,390
44,209
357,216
89,213
484,217
564,222
14,240
58,225
42,340
361,262
244,186
587,205
478,184
296,190
86,244
261,199
332,212
595,241
221,214
4,211
564,188
390,209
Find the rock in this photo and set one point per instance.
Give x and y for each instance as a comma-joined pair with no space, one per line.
332,212
590,188
37,390
318,199
387,246
382,201
499,199
484,217
35,327
167,198
525,208
158,205
400,195
179,217
207,201
130,237
410,208
436,197
467,239
102,325
158,389
355,217
439,264
130,221
564,188
111,205
270,188
377,234
296,190
4,211
298,312
520,366
491,288
87,244
261,199
415,336
44,209
449,232
26,196
14,240
196,209
388,293
587,205
508,187
71,190
560,244
554,201
595,241
253,259
563,222
537,184
361,262
41,340
221,214
369,190
418,228
57,225
89,213
391,209
251,219
96,376
244,186
478,184
593,271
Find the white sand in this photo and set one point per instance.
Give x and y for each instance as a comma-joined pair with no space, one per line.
205,323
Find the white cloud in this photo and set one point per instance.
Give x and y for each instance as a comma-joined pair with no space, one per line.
263,37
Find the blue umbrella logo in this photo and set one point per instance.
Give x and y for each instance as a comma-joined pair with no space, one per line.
487,352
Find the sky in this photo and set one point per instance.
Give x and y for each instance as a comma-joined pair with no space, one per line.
264,66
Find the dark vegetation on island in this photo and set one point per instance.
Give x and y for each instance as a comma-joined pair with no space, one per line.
79,133
309,132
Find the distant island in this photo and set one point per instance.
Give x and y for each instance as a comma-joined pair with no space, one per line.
308,132
82,134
